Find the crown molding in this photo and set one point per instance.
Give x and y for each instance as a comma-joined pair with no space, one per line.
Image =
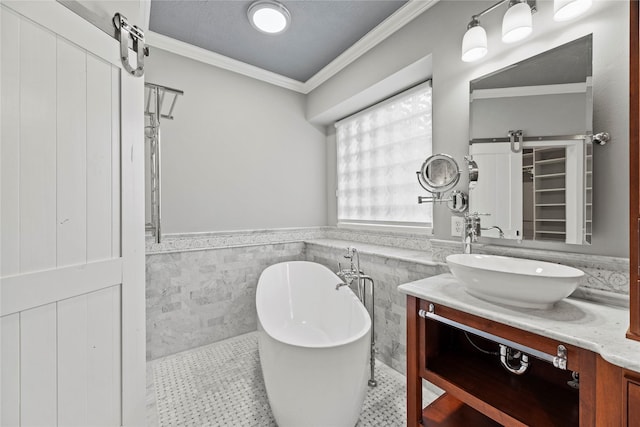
393,23
386,28
197,53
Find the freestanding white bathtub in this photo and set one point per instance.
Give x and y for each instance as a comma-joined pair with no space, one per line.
314,346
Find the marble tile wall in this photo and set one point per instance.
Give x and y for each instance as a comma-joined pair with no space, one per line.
199,297
390,305
201,287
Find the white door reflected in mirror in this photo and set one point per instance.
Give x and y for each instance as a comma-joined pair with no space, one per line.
544,197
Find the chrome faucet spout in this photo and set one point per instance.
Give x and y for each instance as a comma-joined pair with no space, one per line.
347,277
495,227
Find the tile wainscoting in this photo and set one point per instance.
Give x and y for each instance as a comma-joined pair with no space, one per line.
201,287
202,296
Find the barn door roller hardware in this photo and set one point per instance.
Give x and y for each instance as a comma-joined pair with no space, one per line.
124,31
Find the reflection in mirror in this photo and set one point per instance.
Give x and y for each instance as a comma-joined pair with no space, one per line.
535,184
551,194
440,173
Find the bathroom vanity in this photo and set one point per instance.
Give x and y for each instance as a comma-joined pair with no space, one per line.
581,371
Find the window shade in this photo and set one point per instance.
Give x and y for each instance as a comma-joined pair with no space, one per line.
379,151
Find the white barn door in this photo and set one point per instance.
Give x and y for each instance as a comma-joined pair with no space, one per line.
71,224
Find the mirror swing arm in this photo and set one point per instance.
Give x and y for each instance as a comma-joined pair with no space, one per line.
458,201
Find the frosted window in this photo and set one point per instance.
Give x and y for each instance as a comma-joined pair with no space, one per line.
379,152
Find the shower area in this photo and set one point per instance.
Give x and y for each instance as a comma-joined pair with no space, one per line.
160,101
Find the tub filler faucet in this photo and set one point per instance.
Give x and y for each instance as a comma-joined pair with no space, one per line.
348,276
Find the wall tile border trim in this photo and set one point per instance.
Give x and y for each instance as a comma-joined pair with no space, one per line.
604,273
229,239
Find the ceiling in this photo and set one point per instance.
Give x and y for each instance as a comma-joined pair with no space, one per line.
320,31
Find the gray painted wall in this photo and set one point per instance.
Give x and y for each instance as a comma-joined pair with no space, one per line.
332,176
239,154
438,32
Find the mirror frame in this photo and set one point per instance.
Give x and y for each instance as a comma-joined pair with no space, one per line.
634,171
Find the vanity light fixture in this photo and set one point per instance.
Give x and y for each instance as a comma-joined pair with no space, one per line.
517,23
564,10
269,16
474,42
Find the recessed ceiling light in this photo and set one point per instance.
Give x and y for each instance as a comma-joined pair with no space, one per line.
269,16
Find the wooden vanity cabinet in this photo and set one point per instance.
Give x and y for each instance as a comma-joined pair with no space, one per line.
631,384
480,392
614,411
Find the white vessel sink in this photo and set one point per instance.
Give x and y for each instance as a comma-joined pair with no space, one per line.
514,281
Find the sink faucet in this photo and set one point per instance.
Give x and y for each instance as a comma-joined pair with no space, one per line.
471,231
495,227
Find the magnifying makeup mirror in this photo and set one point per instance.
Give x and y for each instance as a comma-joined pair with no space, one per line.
438,174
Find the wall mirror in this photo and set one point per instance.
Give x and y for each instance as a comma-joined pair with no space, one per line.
530,135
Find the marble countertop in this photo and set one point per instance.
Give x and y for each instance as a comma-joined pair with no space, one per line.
595,327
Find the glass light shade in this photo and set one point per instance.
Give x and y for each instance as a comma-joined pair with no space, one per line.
474,44
563,10
517,23
269,16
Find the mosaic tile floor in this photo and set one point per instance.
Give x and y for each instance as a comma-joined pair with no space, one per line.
221,385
